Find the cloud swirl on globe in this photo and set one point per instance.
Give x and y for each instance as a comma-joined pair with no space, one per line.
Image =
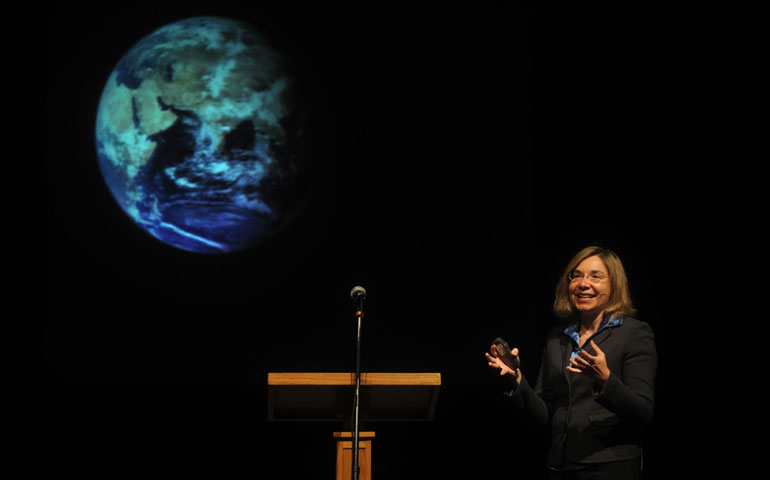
198,136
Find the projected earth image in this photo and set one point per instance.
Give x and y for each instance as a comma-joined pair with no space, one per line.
199,138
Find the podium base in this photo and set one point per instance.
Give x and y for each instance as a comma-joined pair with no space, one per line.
345,455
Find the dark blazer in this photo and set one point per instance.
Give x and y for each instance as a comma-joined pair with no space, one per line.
588,426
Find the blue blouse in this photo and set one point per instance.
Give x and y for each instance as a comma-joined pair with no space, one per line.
573,331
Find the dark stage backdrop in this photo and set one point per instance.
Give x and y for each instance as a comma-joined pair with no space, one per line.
469,152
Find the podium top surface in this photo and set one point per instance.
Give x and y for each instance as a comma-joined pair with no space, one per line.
328,396
332,379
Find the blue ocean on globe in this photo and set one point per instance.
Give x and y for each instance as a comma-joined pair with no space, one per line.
198,135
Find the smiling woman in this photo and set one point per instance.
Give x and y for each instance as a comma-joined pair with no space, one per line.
595,262
595,388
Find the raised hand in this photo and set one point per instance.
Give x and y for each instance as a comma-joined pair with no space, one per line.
593,366
495,361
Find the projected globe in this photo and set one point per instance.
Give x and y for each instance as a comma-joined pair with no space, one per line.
199,138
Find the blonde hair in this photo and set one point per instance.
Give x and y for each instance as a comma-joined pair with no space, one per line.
619,305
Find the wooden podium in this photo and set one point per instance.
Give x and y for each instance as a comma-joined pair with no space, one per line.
329,397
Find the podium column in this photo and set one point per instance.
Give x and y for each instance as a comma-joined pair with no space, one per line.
345,455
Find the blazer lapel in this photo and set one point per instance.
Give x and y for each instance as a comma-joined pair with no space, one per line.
600,337
567,345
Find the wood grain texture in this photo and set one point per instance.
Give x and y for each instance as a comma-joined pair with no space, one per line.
370,379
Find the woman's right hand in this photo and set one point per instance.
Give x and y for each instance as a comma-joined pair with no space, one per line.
496,362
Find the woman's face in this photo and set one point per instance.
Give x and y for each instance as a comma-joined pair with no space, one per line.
590,287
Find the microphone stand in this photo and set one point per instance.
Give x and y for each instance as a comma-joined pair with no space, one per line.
359,315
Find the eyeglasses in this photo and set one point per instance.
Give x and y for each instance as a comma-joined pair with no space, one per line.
593,277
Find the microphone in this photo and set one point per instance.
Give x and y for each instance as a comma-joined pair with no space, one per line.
357,294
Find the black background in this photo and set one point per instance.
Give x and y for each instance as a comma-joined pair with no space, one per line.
469,153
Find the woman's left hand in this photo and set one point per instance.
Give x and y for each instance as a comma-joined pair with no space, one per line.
593,366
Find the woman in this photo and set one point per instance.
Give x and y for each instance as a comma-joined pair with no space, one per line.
595,387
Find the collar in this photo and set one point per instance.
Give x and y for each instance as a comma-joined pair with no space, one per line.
573,329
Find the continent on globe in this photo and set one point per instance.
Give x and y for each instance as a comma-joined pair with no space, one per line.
198,135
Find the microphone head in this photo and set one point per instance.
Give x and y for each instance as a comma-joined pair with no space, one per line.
358,293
